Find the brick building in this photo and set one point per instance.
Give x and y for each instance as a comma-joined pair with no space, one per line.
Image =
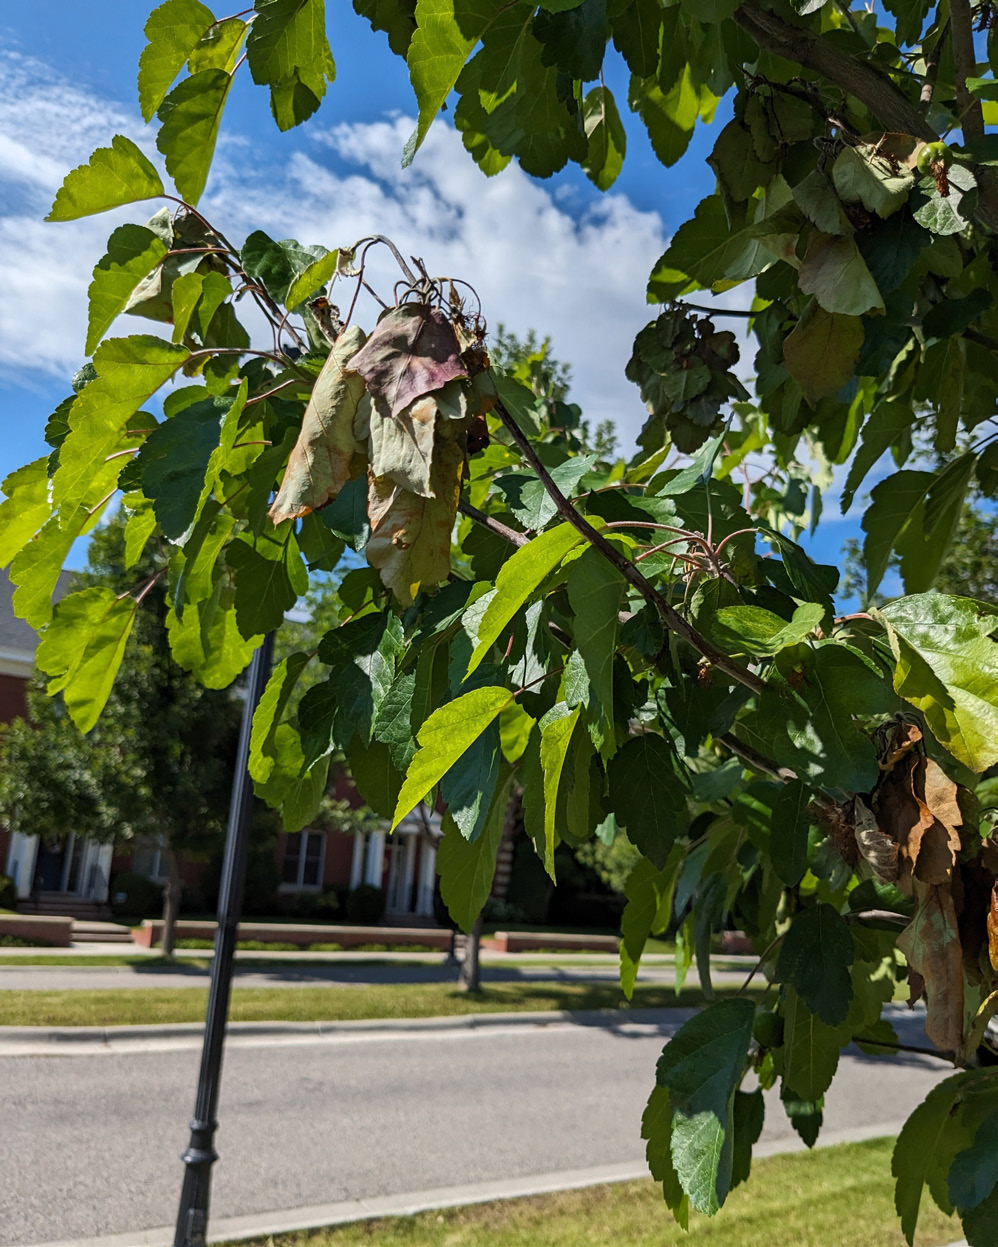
78,869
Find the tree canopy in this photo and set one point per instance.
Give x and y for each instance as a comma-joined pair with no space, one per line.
640,644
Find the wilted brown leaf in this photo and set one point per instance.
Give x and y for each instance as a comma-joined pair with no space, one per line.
319,465
897,740
931,945
878,848
916,806
412,351
993,928
411,535
402,445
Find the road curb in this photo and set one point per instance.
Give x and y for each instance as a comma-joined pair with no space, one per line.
285,1221
92,1040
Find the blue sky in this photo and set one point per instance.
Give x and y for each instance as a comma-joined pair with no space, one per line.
553,255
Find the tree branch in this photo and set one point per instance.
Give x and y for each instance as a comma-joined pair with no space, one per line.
755,760
670,617
486,521
810,50
965,65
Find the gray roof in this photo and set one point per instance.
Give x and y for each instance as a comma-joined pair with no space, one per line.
14,632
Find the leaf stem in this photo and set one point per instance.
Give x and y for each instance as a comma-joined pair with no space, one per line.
758,965
540,679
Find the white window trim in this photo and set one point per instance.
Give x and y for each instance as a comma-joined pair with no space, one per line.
298,886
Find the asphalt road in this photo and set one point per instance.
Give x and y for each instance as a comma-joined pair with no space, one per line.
90,1144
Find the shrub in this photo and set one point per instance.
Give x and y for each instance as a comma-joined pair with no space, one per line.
497,911
8,893
135,896
365,904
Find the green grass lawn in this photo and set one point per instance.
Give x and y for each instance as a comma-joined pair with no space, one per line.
834,1197
144,1005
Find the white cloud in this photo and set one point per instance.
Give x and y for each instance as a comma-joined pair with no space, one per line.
578,276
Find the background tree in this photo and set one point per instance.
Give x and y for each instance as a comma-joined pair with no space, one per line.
158,763
644,639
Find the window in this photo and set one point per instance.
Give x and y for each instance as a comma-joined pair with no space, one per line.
149,859
303,854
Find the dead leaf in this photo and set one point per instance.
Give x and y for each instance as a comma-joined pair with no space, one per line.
410,534
931,945
320,464
916,806
878,848
993,928
897,741
413,351
402,445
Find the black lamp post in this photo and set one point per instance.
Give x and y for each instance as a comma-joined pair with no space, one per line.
192,1217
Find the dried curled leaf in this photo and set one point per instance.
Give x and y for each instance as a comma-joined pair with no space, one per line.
916,806
931,945
320,463
413,351
402,445
410,534
993,928
879,849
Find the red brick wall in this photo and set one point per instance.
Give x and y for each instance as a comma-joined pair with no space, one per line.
339,858
13,703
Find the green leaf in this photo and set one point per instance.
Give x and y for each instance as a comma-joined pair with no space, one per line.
374,773
706,251
115,175
701,1066
129,370
814,959
36,569
288,51
836,274
944,214
656,1127
811,1049
207,641
606,135
132,252
467,867
190,116
788,842
748,1116
519,577
268,715
175,458
393,721
469,785
304,796
821,351
756,631
595,589
219,46
887,422
574,37
929,1142
445,35
947,667
532,122
83,647
862,177
174,30
648,911
974,1172
646,795
810,727
915,513
25,509
443,738
528,499
670,116
270,578
556,736
312,279
361,655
